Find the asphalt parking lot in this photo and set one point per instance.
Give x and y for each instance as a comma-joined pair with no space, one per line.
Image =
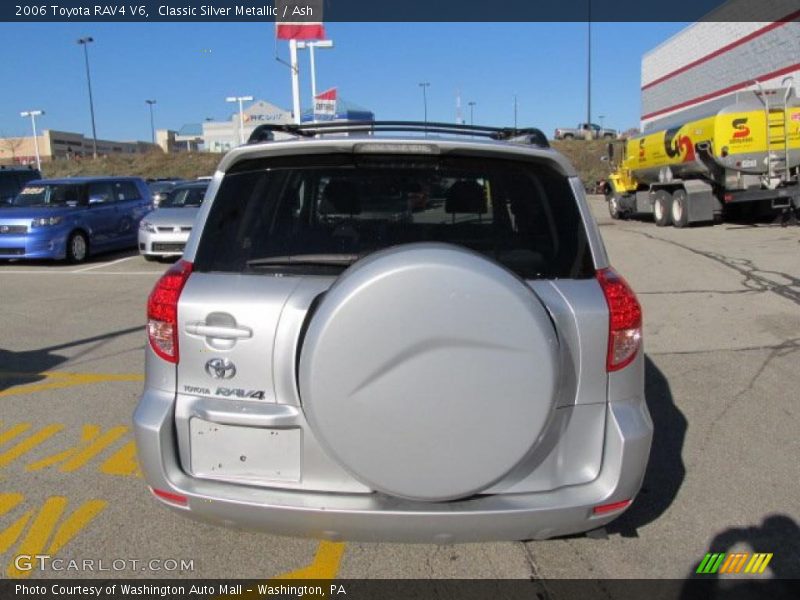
722,334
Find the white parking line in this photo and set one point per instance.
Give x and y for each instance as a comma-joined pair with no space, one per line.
113,262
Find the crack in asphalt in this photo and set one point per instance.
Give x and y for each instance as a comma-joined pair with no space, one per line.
784,349
783,345
535,575
754,279
673,293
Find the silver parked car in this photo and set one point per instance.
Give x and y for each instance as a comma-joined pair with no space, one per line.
164,232
335,358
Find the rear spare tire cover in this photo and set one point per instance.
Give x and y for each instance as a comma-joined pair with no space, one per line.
428,371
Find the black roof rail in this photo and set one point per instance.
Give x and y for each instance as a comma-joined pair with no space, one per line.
530,135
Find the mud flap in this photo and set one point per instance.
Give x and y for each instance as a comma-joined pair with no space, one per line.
701,202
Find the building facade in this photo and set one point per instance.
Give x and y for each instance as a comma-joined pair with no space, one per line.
63,144
702,68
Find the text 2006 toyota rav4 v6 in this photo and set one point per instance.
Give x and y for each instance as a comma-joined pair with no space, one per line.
395,339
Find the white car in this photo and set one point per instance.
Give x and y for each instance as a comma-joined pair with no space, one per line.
164,232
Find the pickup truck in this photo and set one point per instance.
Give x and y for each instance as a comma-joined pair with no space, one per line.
580,132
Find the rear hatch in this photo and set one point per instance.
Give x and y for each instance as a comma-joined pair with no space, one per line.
279,234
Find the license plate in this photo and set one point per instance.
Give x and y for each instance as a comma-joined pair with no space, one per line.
244,453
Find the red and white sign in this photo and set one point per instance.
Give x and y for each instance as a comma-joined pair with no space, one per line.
325,103
300,31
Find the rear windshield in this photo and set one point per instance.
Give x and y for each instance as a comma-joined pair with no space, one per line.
188,197
328,211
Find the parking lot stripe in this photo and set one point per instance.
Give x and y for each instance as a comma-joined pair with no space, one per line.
60,272
122,462
35,541
29,444
57,380
91,444
108,264
324,566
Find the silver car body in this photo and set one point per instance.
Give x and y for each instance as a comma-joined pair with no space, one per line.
252,440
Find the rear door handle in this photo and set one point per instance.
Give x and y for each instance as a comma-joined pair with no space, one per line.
219,331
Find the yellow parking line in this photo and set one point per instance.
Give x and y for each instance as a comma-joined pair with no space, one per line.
324,566
57,380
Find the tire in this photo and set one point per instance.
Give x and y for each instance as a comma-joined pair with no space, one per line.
613,206
77,247
662,209
608,136
411,388
568,136
680,209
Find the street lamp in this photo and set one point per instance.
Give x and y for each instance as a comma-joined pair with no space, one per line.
311,46
425,85
240,99
471,105
33,114
85,41
152,126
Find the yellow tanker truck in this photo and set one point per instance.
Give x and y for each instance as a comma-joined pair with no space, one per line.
698,167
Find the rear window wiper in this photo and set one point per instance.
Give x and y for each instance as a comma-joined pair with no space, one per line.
343,260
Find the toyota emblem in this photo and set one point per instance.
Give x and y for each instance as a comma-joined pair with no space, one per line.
221,368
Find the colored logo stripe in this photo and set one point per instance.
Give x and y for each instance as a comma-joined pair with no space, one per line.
758,563
710,563
714,562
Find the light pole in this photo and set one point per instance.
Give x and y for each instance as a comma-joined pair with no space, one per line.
85,41
240,99
152,126
589,74
471,105
311,46
425,85
601,117
515,112
33,114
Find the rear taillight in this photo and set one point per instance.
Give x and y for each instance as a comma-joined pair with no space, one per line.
162,311
624,320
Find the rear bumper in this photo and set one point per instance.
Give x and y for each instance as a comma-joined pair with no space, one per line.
378,518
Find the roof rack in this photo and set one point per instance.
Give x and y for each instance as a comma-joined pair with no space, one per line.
264,133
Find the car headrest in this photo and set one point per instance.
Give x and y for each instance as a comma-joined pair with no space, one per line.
341,197
465,197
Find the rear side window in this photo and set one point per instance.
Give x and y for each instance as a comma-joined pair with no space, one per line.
522,215
125,190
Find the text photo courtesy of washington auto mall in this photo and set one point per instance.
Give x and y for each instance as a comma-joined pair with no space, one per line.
391,300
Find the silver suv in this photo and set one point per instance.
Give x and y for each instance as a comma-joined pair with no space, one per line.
409,338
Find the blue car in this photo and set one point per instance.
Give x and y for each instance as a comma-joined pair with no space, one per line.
73,218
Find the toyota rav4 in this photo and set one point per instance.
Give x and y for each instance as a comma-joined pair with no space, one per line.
334,358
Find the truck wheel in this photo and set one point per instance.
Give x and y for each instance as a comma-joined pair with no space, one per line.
680,209
662,208
568,136
613,206
608,136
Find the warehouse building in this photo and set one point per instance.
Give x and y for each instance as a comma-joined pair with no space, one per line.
737,49
62,144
